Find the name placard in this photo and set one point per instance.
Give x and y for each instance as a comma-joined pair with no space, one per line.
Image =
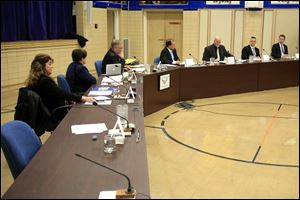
284,2
164,81
223,2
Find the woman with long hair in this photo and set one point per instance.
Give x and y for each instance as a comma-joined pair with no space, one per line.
39,80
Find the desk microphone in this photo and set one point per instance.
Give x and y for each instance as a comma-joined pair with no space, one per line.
268,54
194,58
296,49
96,104
117,83
129,193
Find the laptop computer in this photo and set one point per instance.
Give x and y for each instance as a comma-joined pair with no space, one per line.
113,69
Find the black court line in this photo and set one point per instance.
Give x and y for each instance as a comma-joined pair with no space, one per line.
254,102
153,127
174,112
224,157
256,153
237,115
167,117
279,107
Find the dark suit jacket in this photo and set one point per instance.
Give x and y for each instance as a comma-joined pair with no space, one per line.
211,51
247,51
276,53
111,58
79,78
52,96
165,56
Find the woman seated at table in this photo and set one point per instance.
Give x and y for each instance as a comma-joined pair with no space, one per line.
52,96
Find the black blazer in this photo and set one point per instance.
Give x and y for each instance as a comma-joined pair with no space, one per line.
276,53
247,51
52,96
166,58
111,58
211,51
79,77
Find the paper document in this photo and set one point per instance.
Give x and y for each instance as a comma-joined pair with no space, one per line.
137,66
100,93
88,128
99,98
142,69
108,195
101,102
108,80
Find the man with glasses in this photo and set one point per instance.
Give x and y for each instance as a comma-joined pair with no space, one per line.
113,56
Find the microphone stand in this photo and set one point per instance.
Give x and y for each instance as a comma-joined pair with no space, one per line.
128,193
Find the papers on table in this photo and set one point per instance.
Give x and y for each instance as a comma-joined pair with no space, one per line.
140,70
107,195
117,78
88,128
102,102
137,66
100,91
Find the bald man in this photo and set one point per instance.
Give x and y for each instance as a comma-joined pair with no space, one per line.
216,50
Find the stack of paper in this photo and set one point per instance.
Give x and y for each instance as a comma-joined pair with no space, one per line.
100,91
88,128
115,79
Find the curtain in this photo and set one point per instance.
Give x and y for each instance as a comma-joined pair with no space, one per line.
35,20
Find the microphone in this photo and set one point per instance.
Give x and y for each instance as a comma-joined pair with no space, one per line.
117,83
194,58
129,193
296,49
96,104
268,54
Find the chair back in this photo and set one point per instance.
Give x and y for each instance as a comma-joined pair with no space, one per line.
98,66
63,83
19,144
156,60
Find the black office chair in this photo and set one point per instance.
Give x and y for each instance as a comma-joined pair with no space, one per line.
31,109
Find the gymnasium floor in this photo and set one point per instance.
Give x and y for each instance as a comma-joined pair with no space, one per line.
235,146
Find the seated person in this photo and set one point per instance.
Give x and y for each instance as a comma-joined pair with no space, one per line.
39,80
216,50
250,50
279,49
169,55
78,76
113,55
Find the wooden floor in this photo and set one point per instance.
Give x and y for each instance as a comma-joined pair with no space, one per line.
235,146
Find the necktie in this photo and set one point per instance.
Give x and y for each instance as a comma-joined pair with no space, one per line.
281,49
218,54
253,51
171,52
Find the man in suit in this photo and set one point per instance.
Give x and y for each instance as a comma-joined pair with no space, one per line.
216,50
279,49
169,55
113,55
250,50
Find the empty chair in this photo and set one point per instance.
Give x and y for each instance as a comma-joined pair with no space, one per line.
98,66
19,144
63,83
156,60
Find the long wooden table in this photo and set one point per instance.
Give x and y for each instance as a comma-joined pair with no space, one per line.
210,81
55,171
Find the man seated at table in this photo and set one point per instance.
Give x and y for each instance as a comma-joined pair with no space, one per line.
113,55
216,50
279,49
169,55
250,50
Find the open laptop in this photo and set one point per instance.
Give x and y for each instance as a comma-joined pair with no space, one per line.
113,69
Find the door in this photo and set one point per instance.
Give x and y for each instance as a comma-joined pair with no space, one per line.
162,26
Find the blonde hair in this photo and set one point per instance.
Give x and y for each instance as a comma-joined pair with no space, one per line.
38,67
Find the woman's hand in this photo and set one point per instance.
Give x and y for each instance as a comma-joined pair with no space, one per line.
88,99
